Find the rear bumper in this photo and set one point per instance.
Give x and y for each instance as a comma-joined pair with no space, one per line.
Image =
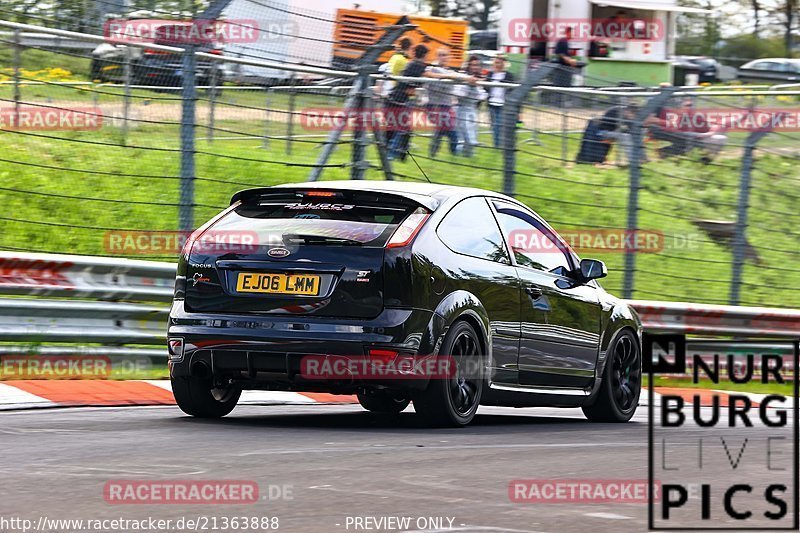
267,352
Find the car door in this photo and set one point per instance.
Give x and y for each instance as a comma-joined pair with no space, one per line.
560,318
763,71
481,266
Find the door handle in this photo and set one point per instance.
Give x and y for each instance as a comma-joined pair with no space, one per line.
533,292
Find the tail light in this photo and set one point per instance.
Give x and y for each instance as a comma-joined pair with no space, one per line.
187,246
408,229
183,260
322,194
183,267
151,52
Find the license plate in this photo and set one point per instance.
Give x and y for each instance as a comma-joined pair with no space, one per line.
302,284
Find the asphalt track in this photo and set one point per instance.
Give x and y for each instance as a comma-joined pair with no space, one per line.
339,461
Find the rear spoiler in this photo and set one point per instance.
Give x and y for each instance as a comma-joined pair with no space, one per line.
362,195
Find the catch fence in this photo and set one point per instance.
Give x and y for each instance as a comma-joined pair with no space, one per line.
707,216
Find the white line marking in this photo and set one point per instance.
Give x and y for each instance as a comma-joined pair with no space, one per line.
445,448
473,528
13,398
609,516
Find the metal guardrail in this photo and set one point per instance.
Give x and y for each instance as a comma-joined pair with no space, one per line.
83,300
728,320
121,303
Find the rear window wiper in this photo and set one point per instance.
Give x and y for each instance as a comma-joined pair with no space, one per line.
320,239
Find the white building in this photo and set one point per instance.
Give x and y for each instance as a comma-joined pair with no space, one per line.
645,60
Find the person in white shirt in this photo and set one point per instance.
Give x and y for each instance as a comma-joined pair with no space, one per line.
440,102
468,98
497,97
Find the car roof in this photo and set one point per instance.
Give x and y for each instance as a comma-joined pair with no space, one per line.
776,60
431,195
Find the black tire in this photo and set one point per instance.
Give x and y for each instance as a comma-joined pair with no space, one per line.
383,403
618,396
196,397
453,401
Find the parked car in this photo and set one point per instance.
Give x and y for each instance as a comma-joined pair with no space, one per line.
398,275
706,67
150,66
483,40
771,70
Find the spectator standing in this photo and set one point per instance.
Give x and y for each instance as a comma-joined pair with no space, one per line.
563,75
468,98
497,97
440,104
394,67
401,95
399,60
398,104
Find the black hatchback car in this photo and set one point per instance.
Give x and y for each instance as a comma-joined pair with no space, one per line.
447,297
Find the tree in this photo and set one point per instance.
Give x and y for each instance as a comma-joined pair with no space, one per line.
480,14
756,6
789,11
699,32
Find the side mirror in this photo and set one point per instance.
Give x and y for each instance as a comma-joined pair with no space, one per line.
593,269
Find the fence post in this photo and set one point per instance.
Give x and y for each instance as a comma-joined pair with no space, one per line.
17,66
564,130
740,239
186,214
126,94
637,155
358,159
534,122
212,97
511,109
267,103
380,137
290,118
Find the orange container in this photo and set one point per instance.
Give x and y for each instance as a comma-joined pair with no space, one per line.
356,30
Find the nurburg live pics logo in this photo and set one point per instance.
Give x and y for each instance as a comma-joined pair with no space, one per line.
723,460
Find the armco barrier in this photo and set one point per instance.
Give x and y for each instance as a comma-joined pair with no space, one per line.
84,300
75,300
704,319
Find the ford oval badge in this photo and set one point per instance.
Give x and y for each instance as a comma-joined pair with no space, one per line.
278,252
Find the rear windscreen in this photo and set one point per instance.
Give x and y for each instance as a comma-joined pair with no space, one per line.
278,222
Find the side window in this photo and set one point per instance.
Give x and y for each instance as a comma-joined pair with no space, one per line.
531,243
470,229
771,66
